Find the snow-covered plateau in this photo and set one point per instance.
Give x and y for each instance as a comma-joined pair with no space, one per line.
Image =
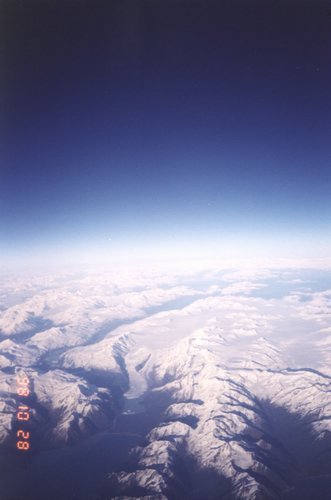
220,376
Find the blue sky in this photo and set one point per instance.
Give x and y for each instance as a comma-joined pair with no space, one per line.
133,126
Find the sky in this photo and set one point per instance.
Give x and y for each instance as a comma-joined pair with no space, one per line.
164,128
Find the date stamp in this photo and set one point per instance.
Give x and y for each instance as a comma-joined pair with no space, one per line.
23,391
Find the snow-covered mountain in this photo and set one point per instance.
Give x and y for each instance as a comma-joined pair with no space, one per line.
263,427
231,369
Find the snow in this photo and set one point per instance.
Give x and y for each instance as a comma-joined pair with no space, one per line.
72,402
233,363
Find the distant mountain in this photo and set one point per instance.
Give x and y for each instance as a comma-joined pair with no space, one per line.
221,376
